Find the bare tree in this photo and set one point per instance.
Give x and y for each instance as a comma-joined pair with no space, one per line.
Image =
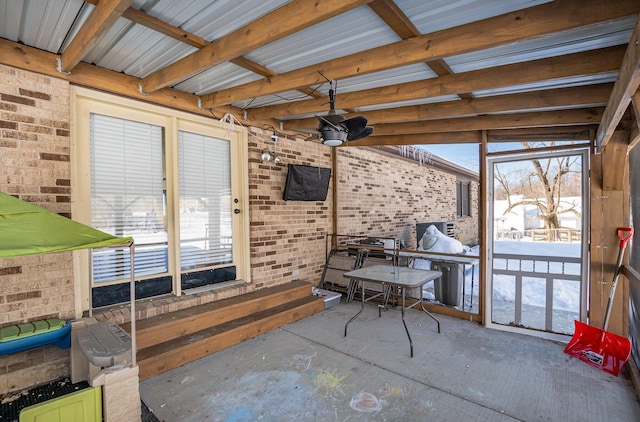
544,187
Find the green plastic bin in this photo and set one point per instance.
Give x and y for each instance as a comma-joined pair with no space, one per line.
82,406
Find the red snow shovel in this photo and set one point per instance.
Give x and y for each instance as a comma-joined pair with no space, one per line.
594,345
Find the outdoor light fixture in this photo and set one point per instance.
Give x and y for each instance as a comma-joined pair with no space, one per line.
267,156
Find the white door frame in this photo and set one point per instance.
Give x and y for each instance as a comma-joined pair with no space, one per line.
489,238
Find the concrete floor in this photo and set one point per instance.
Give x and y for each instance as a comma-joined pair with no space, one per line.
307,371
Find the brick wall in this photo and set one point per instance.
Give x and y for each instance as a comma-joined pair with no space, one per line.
384,195
378,194
466,228
287,237
34,166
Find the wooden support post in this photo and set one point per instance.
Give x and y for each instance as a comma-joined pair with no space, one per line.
334,164
609,211
482,227
614,162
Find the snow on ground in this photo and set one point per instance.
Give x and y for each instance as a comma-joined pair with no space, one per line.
566,293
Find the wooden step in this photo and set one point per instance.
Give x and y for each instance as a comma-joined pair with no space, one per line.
165,356
180,323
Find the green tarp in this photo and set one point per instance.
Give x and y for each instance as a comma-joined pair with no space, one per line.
26,229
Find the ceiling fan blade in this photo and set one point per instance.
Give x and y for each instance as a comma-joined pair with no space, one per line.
355,125
363,134
331,120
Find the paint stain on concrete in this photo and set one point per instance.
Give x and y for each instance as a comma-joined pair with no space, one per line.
390,390
366,402
329,383
243,414
302,362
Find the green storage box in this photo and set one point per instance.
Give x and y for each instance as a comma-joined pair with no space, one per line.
81,406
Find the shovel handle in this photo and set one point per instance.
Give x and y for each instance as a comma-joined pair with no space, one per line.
624,234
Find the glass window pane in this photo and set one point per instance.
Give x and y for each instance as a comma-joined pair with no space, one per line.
205,201
459,198
128,195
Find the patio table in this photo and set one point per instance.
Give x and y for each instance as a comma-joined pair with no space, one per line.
391,276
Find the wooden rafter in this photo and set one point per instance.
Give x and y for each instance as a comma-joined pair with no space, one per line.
284,21
393,16
463,137
574,97
552,133
584,116
105,14
36,60
578,64
625,87
162,27
511,27
556,133
141,18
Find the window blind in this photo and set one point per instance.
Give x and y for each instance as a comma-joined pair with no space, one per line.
128,195
205,201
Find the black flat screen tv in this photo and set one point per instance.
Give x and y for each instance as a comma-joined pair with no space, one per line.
306,183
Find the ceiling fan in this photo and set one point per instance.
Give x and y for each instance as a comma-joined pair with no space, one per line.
334,129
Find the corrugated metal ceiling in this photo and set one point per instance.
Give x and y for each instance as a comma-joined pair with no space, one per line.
133,49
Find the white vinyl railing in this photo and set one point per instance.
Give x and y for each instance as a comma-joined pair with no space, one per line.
549,268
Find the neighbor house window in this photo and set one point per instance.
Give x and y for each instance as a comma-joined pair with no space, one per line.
169,180
463,196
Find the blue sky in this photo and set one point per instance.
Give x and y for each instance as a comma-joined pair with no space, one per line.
465,155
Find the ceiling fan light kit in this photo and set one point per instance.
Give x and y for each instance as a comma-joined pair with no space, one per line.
332,138
334,129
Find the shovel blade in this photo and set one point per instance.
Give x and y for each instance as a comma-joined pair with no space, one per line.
595,346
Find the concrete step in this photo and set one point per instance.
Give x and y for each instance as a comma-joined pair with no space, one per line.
162,357
168,326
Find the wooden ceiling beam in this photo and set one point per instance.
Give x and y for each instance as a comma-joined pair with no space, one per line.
395,18
466,137
103,16
35,60
584,116
148,21
578,97
626,85
571,65
504,29
574,97
286,20
553,133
